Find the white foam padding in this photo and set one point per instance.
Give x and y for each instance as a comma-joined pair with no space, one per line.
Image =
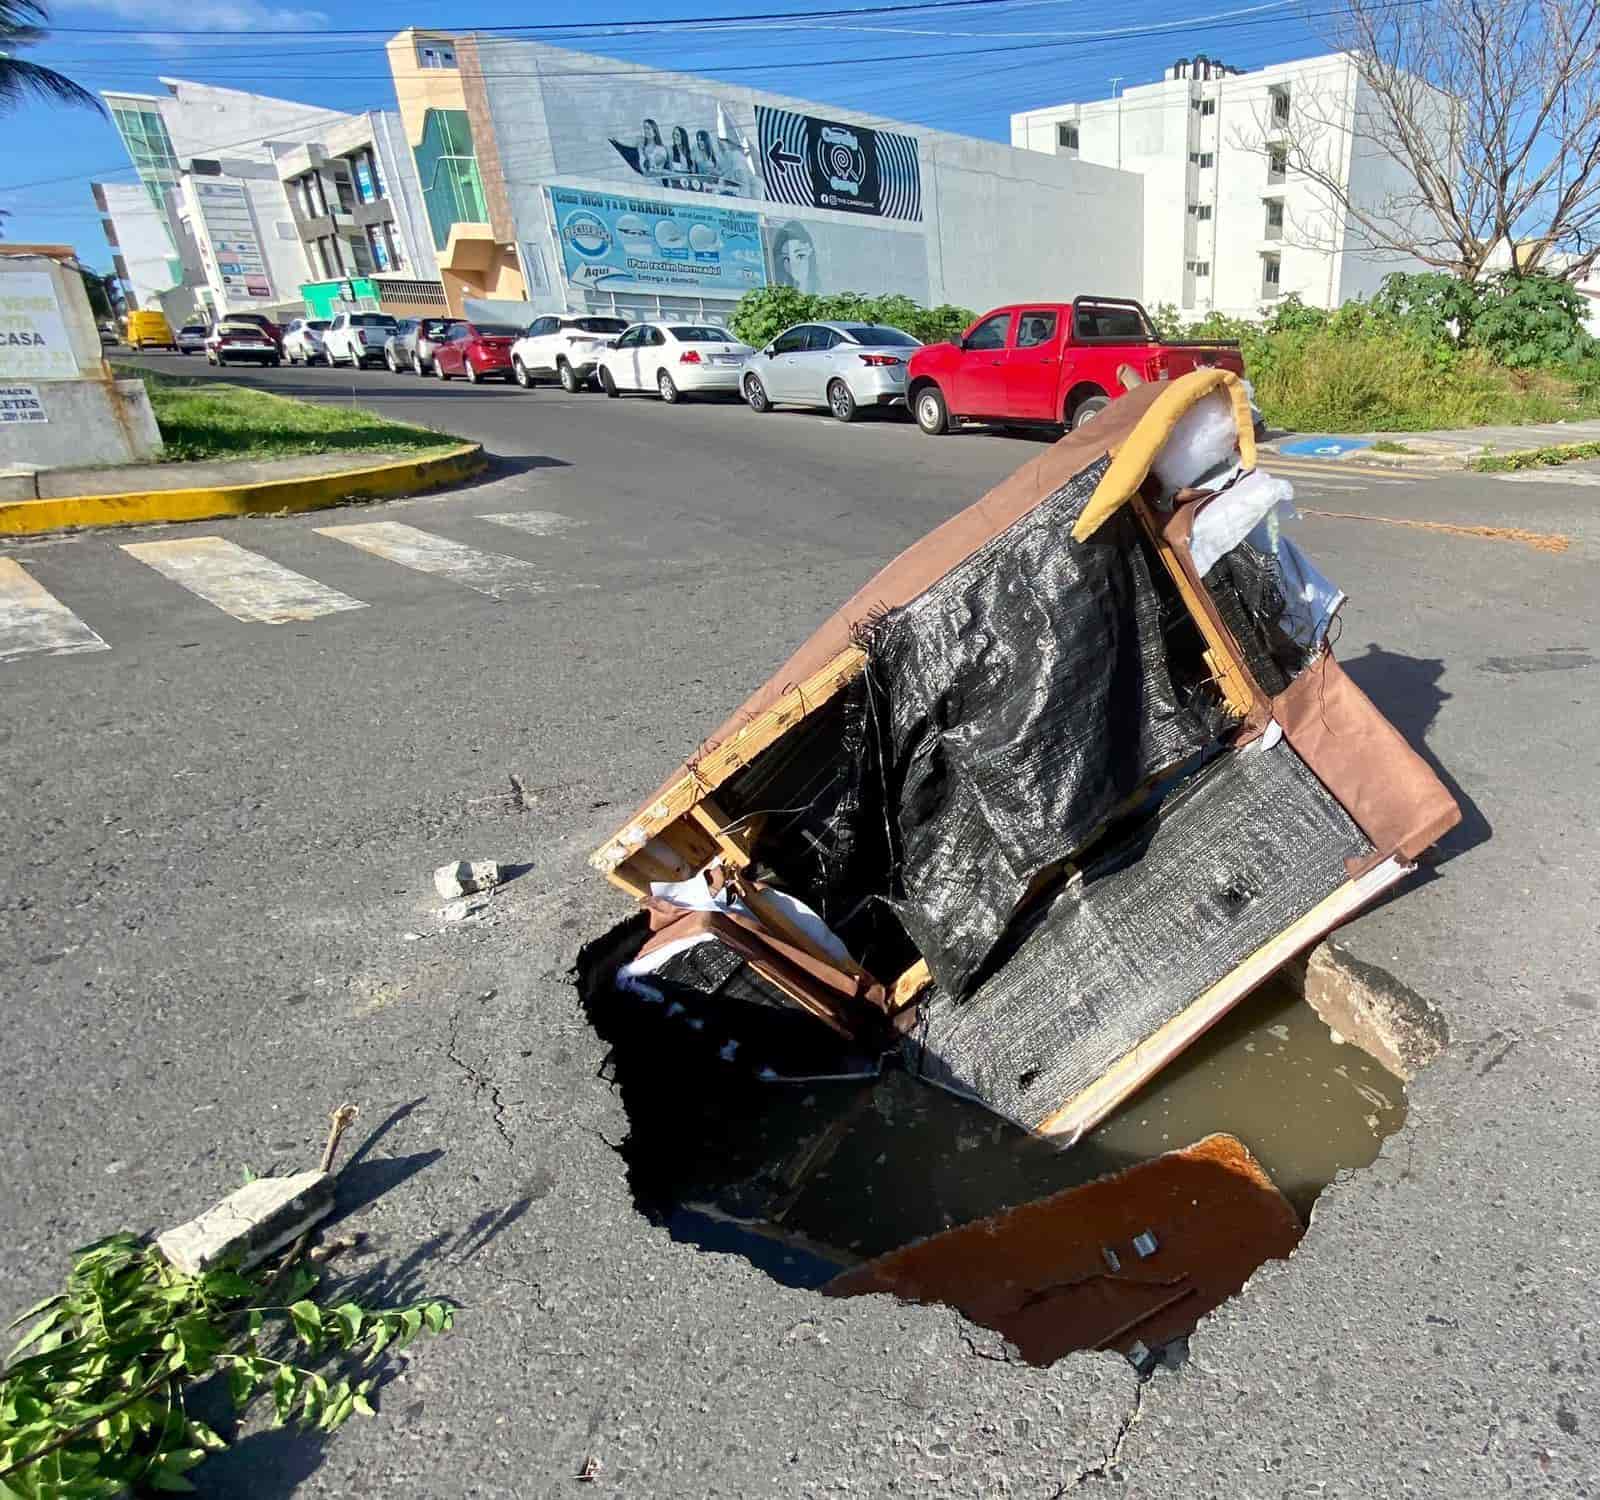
1206,435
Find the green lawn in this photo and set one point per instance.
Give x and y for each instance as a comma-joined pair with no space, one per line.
211,419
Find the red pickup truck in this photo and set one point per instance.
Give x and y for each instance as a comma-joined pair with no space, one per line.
1048,363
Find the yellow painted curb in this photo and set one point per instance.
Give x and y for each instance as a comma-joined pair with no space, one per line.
268,497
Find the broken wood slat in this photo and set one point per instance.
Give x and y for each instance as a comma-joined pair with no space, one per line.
1233,681
1090,1106
909,985
713,768
735,846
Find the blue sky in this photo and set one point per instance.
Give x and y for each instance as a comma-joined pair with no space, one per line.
960,67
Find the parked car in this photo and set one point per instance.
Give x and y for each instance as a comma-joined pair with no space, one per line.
357,338
239,342
192,338
413,342
480,351
842,366
564,347
148,329
672,359
273,331
1054,364
302,341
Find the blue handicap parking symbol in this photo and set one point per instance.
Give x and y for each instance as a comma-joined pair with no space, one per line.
1325,447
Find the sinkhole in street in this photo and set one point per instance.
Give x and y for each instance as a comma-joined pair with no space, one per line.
828,1175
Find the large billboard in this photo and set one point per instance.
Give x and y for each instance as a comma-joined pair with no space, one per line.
622,243
824,255
815,163
669,137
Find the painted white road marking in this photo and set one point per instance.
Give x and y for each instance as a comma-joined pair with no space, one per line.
1584,477
239,582
34,621
490,573
534,522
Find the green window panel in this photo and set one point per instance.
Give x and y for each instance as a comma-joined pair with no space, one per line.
448,166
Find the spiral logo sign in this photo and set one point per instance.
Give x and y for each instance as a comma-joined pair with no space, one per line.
587,233
814,163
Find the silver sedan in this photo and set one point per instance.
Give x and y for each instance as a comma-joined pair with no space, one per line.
841,366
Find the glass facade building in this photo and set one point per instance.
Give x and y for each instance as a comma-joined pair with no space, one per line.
448,167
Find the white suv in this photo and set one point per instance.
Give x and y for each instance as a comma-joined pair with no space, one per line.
563,346
357,338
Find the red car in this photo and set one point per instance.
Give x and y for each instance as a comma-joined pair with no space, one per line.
272,330
1055,364
480,351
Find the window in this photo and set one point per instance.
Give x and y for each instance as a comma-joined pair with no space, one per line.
793,341
448,167
364,168
1277,160
1067,137
435,55
1208,107
1280,106
989,334
1271,275
881,335
630,340
1202,159
1036,328
371,320
686,333
820,340
595,325
378,246
1200,267
1201,211
1099,320
360,257
1274,218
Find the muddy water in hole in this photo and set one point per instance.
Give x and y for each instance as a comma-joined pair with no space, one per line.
804,1179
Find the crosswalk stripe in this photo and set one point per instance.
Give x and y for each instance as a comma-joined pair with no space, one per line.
1583,477
490,573
239,582
33,620
1276,464
534,522
1317,486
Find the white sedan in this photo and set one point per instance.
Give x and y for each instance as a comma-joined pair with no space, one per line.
673,359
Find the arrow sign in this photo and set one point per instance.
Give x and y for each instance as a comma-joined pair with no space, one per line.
781,158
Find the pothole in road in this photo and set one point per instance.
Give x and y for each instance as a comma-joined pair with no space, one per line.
751,1134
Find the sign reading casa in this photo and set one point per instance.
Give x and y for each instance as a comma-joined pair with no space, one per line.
33,334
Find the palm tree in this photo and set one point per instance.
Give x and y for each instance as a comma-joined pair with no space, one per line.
21,26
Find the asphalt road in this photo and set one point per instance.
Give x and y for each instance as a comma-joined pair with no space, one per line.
217,923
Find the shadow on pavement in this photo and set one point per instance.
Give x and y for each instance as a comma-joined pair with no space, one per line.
1406,690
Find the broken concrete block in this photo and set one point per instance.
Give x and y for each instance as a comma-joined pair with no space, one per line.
466,876
249,1224
459,911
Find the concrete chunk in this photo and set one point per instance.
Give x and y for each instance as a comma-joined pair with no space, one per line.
249,1224
466,876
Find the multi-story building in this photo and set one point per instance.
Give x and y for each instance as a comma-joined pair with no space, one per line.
557,179
1229,224
266,205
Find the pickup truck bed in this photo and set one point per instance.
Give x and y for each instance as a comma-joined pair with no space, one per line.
1050,364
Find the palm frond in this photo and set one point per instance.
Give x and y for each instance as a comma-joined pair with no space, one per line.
20,79
20,15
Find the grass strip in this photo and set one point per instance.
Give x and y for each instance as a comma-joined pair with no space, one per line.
1535,458
212,419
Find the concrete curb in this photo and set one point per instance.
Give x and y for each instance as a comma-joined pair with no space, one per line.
387,480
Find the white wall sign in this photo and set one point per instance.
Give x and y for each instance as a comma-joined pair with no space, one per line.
230,239
21,403
33,334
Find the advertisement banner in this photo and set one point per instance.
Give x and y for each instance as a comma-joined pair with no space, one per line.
823,255
669,137
33,334
814,163
230,241
21,403
620,243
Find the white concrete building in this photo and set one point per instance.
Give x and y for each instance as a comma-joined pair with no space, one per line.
219,169
1228,224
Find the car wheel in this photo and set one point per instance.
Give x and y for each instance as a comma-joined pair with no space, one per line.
470,370
274,362
1087,410
756,394
840,401
669,391
607,384
416,364
569,378
186,352
933,416
519,373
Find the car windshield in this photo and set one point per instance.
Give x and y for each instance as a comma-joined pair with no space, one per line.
496,330
370,320
598,325
876,333
249,328
318,324
433,327
693,333
193,328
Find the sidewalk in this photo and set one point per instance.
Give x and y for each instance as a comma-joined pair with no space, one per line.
1455,447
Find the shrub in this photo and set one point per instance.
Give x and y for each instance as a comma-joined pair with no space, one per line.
762,315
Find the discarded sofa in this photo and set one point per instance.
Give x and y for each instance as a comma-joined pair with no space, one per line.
1052,792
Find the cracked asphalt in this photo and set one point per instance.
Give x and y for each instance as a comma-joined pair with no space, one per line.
217,923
